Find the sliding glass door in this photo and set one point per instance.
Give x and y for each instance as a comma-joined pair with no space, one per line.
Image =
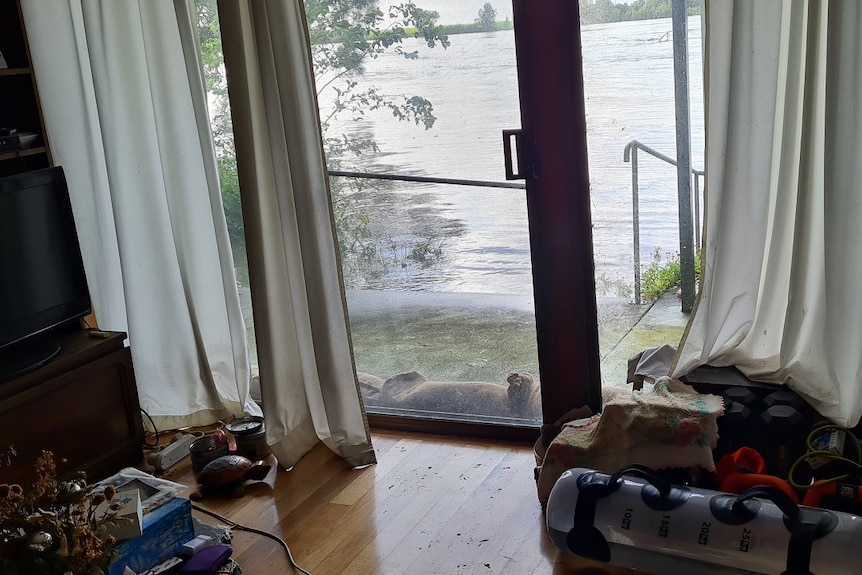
470,295
553,157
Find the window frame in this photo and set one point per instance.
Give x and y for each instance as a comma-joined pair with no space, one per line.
553,140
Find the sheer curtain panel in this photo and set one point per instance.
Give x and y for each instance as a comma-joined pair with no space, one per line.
307,376
125,111
782,264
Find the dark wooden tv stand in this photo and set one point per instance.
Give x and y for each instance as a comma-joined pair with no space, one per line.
82,405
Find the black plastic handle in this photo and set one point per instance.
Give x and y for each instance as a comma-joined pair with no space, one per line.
507,154
778,497
643,472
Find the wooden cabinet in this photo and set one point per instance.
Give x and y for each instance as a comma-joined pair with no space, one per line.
20,109
83,406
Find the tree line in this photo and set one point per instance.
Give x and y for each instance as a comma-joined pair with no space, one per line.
344,35
603,11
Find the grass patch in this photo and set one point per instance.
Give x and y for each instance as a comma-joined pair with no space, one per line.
660,277
447,346
453,29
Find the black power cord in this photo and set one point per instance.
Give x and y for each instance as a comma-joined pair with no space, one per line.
155,442
237,526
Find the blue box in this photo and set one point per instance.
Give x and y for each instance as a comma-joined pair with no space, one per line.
165,530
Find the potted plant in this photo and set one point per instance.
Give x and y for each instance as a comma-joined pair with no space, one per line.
57,527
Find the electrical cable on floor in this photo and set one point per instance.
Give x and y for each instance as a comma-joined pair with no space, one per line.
237,526
155,443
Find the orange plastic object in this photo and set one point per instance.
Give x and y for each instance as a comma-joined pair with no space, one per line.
819,493
743,469
743,460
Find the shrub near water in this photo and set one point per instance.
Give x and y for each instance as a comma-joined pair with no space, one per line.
660,277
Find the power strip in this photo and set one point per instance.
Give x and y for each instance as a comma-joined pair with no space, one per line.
172,565
165,457
196,544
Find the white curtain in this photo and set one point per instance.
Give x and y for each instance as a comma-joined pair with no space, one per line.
124,104
307,376
782,260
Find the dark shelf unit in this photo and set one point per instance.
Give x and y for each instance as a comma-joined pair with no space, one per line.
20,107
82,406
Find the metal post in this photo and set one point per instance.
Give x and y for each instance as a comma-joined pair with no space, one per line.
636,244
683,152
698,240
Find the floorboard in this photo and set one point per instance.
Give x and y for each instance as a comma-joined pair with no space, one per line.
432,505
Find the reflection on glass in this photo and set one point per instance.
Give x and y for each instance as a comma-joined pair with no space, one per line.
438,276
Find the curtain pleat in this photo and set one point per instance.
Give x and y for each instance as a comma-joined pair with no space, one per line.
781,261
125,112
308,381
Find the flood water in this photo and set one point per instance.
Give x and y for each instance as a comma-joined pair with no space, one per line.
482,232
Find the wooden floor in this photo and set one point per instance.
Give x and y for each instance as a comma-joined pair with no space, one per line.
431,505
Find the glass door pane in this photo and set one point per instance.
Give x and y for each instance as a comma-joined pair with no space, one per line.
437,271
631,110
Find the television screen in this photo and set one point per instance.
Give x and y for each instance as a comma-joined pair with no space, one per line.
42,281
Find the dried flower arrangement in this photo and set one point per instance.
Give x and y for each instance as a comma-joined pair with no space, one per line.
56,528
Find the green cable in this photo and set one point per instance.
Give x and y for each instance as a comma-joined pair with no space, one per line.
825,456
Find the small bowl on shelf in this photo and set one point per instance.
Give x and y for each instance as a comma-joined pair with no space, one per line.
28,139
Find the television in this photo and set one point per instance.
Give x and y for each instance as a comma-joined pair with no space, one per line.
43,288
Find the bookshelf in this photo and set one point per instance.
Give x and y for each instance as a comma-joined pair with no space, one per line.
20,107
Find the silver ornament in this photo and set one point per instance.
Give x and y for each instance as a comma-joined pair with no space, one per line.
40,542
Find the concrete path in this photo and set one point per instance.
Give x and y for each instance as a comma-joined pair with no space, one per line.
661,323
462,321
481,337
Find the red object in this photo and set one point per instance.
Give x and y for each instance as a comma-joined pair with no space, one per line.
837,495
743,460
743,469
208,448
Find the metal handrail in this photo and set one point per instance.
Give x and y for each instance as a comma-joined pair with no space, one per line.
630,154
428,179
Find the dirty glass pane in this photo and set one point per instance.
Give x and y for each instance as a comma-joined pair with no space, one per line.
628,61
438,274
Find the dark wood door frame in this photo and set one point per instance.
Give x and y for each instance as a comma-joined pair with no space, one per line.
552,151
554,141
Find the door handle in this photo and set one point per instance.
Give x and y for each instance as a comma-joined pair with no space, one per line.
508,136
524,159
